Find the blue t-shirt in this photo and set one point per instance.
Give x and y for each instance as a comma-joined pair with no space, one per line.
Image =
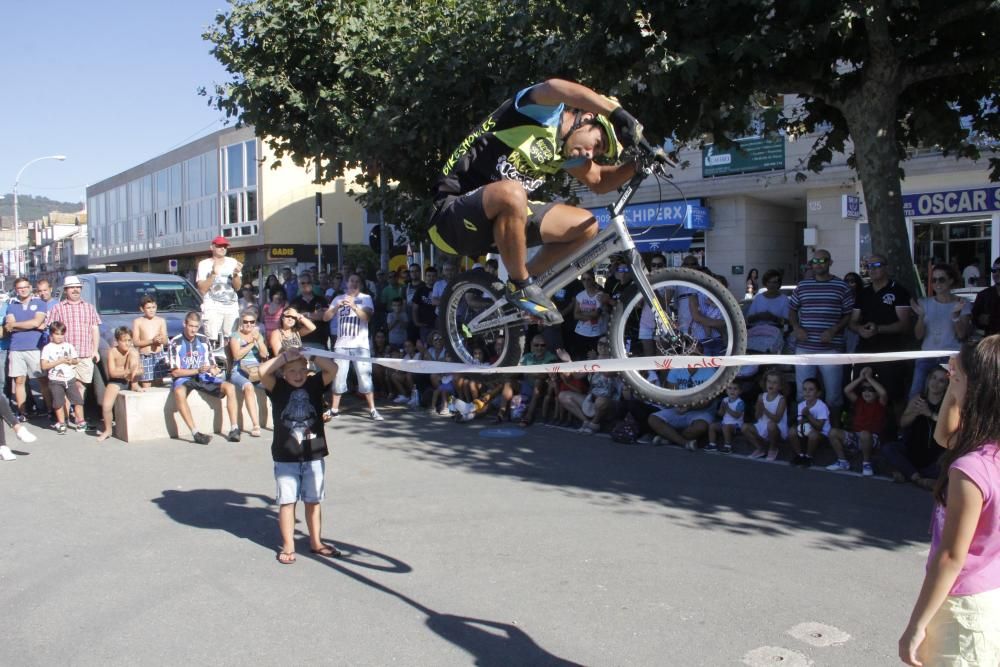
25,340
190,354
49,305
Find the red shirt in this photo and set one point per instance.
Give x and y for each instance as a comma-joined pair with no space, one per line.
869,416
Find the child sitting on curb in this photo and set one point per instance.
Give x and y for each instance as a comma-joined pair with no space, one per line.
771,426
867,422
813,423
731,410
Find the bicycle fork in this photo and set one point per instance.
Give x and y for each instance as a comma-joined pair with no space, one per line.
664,327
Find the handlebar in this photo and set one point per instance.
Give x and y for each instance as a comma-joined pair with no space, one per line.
658,155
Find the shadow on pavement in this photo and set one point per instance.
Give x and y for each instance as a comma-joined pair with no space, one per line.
492,644
712,491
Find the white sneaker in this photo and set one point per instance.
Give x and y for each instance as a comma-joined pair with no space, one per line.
24,435
691,445
839,465
399,400
867,470
6,454
375,416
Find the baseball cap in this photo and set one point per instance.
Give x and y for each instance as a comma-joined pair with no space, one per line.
72,281
220,240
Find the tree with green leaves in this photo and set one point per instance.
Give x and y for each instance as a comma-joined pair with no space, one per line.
876,78
387,86
393,86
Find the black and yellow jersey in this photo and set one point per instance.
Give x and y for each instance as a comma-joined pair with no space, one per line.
519,141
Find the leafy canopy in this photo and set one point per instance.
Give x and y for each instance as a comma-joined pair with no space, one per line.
392,86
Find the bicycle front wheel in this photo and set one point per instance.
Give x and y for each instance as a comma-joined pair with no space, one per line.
684,294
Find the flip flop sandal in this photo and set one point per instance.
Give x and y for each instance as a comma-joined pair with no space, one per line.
286,557
255,431
327,551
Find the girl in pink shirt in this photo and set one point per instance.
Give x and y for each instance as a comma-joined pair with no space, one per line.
956,619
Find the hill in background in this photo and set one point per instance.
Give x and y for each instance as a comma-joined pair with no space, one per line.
31,208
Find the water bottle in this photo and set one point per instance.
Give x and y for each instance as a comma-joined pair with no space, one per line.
415,397
628,346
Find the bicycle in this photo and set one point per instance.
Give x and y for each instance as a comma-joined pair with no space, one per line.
476,315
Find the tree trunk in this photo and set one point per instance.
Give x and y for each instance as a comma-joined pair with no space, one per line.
871,118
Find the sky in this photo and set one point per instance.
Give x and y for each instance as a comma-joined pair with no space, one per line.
109,84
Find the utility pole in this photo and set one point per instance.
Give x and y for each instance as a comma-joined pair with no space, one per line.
384,235
319,227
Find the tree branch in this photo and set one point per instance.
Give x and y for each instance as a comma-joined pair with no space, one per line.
913,75
955,13
784,86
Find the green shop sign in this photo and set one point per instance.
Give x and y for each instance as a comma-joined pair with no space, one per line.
745,155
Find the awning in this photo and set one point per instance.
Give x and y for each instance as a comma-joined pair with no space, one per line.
673,238
660,226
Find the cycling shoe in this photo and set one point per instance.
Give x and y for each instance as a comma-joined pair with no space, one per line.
532,300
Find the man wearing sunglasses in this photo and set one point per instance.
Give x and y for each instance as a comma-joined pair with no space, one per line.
986,308
881,318
819,311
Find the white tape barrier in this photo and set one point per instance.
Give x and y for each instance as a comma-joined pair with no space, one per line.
638,363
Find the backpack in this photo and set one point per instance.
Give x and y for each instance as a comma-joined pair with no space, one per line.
625,431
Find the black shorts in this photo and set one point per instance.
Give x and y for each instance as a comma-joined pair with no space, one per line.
459,225
210,388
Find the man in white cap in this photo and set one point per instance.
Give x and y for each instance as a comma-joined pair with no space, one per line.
219,280
82,330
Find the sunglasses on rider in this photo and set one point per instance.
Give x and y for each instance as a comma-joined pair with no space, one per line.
819,260
248,322
876,265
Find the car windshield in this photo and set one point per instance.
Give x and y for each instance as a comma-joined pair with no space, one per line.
123,297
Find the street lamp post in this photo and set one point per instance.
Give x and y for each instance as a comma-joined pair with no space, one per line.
17,225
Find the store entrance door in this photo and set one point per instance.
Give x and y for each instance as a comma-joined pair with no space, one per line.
958,242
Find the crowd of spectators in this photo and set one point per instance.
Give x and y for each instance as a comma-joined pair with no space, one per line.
877,413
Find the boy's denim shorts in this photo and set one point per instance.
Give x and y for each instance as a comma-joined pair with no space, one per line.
300,481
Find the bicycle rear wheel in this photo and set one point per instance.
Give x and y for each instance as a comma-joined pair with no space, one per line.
468,296
632,335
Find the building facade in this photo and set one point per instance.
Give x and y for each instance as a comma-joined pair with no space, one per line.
161,215
752,212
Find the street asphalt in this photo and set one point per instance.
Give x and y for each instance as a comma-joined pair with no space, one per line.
465,544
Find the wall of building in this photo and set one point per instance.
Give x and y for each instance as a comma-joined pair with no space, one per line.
833,232
288,206
750,233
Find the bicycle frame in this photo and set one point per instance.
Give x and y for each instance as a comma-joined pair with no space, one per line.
612,240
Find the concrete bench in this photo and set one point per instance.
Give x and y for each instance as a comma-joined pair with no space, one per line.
153,414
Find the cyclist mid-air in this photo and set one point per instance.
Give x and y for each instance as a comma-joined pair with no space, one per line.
481,195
